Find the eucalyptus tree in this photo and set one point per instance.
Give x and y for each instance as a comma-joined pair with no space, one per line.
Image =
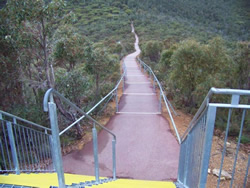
103,66
33,23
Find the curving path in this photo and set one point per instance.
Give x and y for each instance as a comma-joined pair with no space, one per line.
146,149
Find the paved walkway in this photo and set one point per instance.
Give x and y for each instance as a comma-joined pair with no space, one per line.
146,149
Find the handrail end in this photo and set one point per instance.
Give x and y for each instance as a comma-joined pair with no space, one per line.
46,99
213,89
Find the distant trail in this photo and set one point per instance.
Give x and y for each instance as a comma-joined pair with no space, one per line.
146,148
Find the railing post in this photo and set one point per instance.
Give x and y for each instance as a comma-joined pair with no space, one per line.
160,103
114,158
246,176
154,84
56,146
95,149
13,147
211,116
116,100
123,84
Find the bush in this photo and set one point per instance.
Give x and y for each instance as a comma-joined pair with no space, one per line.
152,50
195,68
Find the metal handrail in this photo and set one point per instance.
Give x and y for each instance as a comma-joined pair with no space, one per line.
24,120
197,141
167,103
205,103
52,91
21,142
45,104
50,106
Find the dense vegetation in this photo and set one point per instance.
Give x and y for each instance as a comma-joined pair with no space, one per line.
42,47
196,45
75,47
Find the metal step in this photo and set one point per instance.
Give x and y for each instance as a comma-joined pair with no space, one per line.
12,186
86,183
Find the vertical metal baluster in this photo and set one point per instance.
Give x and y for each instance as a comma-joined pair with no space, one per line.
186,162
190,160
175,113
7,148
39,150
13,147
2,151
50,163
16,136
30,148
123,84
95,150
49,140
22,148
26,149
154,84
211,116
37,144
160,103
36,160
181,161
114,158
45,150
116,100
246,176
1,145
224,147
238,146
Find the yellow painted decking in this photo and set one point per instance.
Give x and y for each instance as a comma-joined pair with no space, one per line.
45,180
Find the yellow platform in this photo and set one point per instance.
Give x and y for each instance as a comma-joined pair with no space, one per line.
45,180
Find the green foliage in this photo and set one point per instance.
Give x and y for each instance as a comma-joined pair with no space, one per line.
102,66
195,68
197,19
152,50
242,59
69,48
42,40
245,139
75,85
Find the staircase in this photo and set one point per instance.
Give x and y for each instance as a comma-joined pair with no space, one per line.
33,152
46,180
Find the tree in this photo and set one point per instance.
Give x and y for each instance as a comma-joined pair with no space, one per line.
34,23
101,65
69,48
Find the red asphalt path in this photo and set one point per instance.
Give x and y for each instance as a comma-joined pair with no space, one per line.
145,149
